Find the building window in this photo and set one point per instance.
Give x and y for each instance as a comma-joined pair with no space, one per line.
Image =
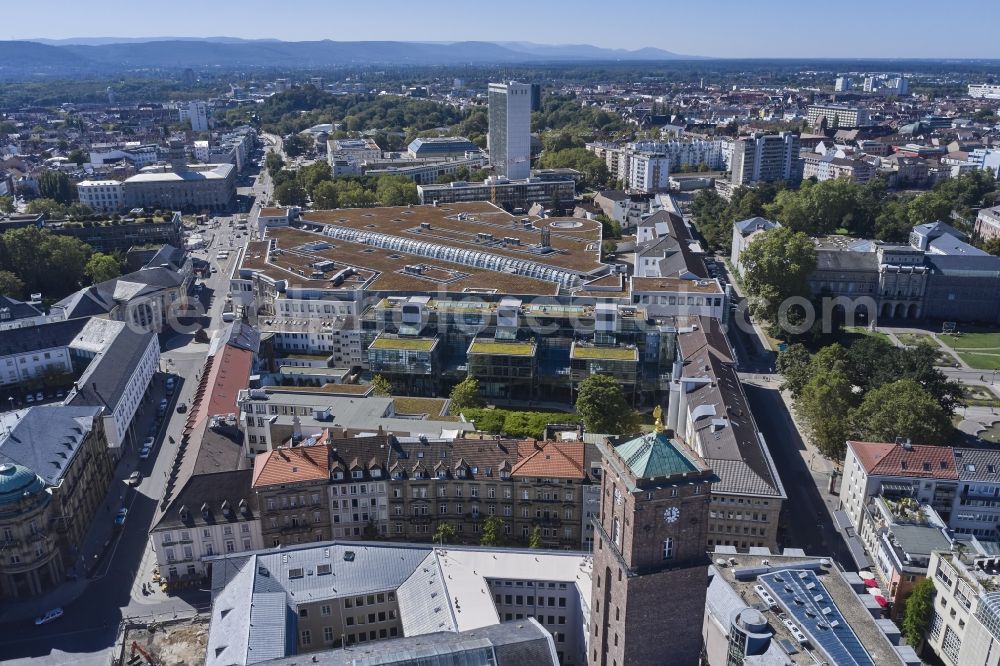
617,533
306,637
668,548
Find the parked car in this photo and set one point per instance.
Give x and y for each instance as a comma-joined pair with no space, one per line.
39,396
144,453
29,398
134,478
120,516
49,616
148,442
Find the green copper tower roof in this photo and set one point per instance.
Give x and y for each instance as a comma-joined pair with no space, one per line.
655,455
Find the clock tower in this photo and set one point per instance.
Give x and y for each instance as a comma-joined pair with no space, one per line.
650,564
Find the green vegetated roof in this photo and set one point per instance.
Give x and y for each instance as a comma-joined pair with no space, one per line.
502,348
655,455
606,353
409,344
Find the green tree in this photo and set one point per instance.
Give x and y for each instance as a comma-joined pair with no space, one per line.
992,246
273,162
77,157
29,253
535,540
11,285
916,617
901,409
290,194
55,185
325,196
297,145
311,176
51,208
396,191
775,268
602,405
381,386
7,205
101,267
824,401
794,364
444,533
466,395
492,534
593,168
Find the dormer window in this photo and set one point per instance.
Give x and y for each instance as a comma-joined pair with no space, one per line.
396,476
442,474
338,476
505,475
376,473
418,474
357,474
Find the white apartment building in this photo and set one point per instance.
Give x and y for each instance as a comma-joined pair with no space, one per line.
843,84
649,172
202,151
32,364
509,138
766,158
195,112
984,90
838,115
119,352
212,514
102,196
964,628
353,506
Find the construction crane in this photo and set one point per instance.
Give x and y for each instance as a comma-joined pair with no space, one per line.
145,655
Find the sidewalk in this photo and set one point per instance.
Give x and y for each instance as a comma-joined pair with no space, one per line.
92,562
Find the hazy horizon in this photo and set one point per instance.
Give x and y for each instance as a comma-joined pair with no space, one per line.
731,29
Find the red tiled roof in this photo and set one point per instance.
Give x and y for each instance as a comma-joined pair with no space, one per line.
230,374
550,459
307,463
920,460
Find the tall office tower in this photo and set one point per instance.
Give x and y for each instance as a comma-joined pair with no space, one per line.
509,139
766,158
650,563
843,84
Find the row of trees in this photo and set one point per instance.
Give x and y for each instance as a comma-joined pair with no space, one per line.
871,391
841,206
34,260
491,534
316,183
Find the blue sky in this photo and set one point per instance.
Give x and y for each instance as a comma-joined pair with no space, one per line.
719,28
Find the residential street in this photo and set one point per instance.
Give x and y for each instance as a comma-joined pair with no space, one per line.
95,607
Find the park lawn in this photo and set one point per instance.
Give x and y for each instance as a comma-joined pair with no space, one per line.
853,331
981,361
914,339
972,341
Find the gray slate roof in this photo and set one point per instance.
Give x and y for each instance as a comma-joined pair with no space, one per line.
104,381
508,644
43,336
45,438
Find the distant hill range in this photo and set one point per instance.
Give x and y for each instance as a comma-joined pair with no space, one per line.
43,57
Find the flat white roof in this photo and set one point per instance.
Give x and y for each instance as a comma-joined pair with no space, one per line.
465,574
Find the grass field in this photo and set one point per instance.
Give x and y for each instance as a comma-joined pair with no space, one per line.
855,331
981,361
972,341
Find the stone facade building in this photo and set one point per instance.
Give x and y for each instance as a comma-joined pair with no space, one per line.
402,488
54,471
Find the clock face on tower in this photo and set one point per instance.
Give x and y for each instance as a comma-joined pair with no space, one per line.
671,514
